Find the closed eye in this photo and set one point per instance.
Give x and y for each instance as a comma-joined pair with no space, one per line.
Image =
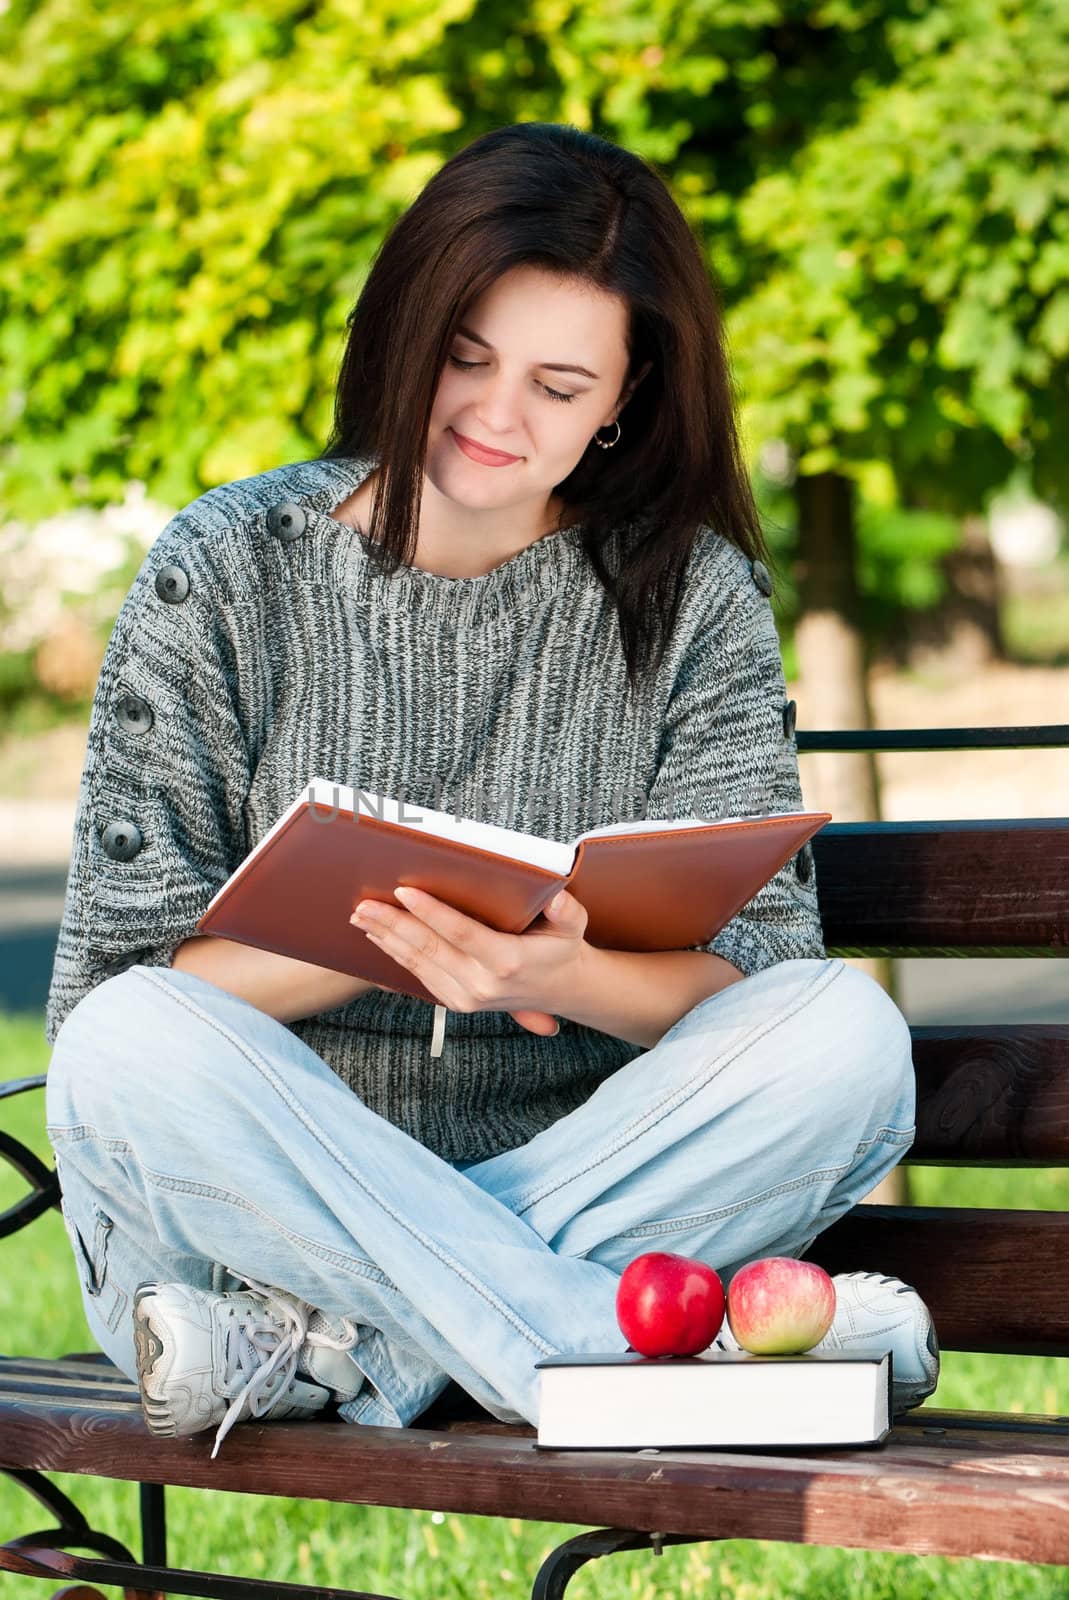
554,394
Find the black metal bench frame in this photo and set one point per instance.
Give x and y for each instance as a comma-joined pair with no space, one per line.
950,1482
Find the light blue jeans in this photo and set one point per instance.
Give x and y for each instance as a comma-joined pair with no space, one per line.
199,1140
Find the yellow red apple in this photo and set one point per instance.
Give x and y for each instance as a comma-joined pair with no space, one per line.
780,1306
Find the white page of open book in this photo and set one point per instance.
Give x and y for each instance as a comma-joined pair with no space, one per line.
548,853
648,825
553,854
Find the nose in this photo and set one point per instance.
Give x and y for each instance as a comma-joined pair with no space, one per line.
499,413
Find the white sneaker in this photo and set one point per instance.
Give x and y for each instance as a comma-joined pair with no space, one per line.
204,1357
874,1313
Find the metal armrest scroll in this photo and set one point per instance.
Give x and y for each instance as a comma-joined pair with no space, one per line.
44,1183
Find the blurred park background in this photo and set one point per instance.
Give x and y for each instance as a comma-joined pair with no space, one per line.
191,197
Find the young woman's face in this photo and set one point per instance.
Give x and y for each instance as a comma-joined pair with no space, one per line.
502,388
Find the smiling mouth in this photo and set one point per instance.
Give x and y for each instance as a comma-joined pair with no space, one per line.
472,447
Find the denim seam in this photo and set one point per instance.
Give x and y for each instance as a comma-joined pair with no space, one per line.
167,1181
687,1090
396,1380
76,1132
208,1191
374,1401
274,1082
668,1224
887,1136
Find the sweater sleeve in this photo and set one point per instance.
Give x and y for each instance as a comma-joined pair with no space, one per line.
159,822
724,752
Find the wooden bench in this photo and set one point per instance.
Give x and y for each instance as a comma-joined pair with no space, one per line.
987,1484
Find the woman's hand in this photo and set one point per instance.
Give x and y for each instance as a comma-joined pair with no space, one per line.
470,967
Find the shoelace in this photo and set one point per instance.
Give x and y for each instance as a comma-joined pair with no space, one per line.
903,1288
256,1335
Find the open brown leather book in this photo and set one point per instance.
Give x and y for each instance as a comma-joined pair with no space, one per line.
645,885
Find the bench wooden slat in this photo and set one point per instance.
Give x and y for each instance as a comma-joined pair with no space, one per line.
932,888
96,1402
928,1497
36,1382
994,1280
100,1370
26,1376
1000,1431
987,1431
996,1094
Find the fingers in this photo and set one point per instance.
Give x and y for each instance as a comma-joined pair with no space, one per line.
446,950
540,1022
454,956
446,989
463,932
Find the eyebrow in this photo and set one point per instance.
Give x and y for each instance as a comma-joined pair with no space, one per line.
547,366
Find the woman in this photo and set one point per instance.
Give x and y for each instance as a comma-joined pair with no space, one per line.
279,1193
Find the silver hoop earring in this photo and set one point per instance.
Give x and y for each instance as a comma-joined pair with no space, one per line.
607,444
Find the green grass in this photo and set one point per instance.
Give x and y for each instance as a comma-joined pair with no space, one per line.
430,1555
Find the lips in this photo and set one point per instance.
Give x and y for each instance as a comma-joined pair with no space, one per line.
478,452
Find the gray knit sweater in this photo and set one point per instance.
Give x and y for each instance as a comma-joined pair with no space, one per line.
257,649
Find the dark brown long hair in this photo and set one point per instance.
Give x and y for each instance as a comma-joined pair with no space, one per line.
550,195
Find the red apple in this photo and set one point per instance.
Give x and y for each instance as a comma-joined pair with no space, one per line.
780,1306
669,1305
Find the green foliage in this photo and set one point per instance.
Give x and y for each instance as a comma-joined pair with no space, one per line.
899,554
16,677
192,194
906,302
189,201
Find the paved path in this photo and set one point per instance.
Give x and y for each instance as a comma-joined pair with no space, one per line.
936,990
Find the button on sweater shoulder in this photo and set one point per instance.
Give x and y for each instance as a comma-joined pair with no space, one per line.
260,644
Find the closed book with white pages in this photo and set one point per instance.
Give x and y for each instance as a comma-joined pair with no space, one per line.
715,1400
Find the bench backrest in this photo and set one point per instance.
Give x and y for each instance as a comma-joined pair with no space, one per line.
989,1095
